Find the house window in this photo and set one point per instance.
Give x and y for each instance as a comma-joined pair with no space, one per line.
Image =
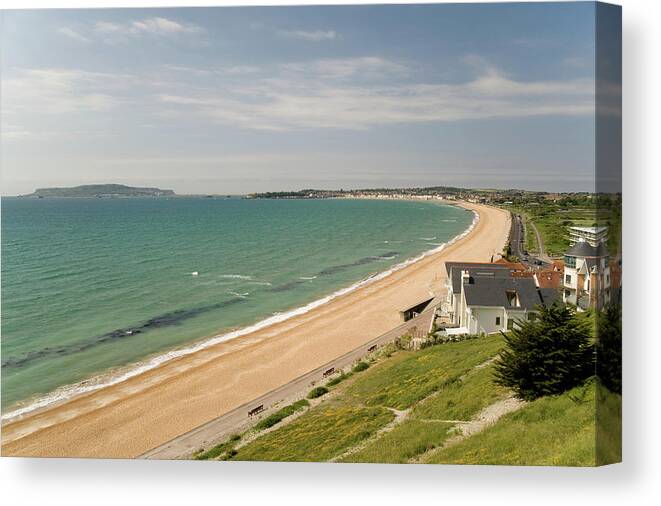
567,293
570,261
498,320
510,324
567,279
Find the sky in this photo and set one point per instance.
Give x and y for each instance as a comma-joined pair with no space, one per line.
239,100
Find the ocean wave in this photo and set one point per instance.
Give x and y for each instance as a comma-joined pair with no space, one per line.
427,238
67,392
237,294
235,276
307,278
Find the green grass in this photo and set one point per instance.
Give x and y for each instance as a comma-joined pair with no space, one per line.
358,410
407,440
609,426
462,400
281,414
339,379
553,220
408,377
318,435
218,450
426,427
557,431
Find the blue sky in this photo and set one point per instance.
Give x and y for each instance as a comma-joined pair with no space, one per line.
235,100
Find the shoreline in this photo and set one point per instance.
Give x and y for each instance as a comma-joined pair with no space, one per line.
119,374
56,424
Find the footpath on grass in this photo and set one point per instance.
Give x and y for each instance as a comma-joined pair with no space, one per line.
438,405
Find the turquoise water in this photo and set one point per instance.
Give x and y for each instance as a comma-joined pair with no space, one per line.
92,284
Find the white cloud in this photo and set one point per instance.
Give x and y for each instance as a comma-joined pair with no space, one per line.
318,94
72,34
59,91
157,26
313,36
353,93
370,67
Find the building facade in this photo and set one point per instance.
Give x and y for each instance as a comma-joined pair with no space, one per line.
592,235
587,277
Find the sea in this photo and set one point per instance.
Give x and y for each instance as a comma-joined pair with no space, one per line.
96,290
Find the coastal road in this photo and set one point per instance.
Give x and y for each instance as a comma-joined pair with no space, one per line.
517,239
215,431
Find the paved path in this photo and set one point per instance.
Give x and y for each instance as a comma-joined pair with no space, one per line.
215,431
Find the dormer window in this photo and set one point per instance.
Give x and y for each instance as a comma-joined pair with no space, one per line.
513,298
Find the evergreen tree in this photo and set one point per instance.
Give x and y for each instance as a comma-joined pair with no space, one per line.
547,356
609,348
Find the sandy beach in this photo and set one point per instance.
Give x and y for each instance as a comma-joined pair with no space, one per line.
127,419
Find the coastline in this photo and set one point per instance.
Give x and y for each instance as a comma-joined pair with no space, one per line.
122,373
198,383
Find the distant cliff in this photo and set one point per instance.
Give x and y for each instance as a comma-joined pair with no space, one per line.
101,190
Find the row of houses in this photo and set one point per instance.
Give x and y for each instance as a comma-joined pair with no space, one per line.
483,298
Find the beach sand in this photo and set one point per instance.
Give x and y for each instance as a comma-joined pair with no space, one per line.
132,417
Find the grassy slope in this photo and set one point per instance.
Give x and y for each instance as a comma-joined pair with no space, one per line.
428,423
435,386
361,406
557,431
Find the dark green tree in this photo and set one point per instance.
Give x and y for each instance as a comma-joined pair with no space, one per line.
547,356
609,348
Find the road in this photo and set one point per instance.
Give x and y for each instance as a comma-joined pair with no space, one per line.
517,239
215,431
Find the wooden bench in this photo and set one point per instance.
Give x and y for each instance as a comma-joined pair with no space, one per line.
328,372
256,410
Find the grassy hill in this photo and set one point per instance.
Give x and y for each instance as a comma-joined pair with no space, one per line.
408,406
101,190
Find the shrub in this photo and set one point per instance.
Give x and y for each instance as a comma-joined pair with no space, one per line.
218,450
360,366
338,379
547,356
317,392
281,414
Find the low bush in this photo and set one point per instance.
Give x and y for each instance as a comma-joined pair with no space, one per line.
281,414
317,392
360,366
339,379
218,450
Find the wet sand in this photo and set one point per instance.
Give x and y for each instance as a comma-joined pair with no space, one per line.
127,419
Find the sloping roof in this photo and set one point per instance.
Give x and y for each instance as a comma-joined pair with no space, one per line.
492,292
549,278
585,249
474,269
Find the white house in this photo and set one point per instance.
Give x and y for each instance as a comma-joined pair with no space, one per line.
587,279
489,298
